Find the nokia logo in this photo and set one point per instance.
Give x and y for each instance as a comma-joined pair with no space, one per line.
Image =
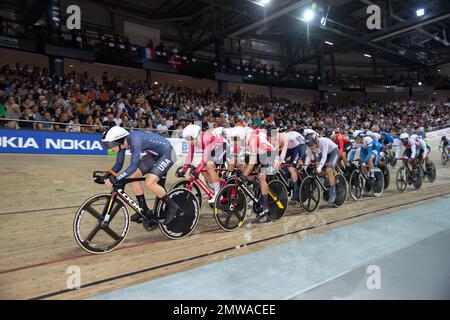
130,201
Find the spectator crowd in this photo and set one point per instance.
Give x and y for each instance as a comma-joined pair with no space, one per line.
79,103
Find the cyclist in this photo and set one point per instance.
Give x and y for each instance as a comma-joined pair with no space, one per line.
444,145
387,142
344,145
210,143
369,153
155,164
410,152
293,147
260,152
423,148
328,153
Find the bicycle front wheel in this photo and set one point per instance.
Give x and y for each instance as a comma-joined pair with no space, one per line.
101,224
356,183
230,207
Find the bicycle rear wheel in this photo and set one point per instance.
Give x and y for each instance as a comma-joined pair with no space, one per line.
431,171
378,186
417,183
444,158
356,184
278,200
95,235
309,194
386,175
186,184
230,207
181,226
341,191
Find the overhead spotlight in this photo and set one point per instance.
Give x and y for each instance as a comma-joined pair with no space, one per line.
439,70
420,12
308,15
155,82
264,2
329,43
71,65
419,83
367,55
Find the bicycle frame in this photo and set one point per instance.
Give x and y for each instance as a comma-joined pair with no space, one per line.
120,192
202,185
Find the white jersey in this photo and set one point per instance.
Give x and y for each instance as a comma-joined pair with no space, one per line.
410,145
325,147
290,140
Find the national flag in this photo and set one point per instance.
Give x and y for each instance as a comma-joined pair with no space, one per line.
175,62
147,53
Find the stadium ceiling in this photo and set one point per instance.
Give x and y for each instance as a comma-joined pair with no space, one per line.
404,37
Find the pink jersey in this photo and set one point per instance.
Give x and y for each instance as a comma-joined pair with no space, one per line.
209,142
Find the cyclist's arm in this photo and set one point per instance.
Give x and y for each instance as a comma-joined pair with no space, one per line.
119,161
308,157
413,150
324,157
134,162
369,153
284,150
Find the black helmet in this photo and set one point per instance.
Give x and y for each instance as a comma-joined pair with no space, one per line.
310,139
301,129
328,133
282,129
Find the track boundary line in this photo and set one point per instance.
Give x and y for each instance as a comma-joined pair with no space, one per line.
129,274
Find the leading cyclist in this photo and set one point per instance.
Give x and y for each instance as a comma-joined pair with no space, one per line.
159,158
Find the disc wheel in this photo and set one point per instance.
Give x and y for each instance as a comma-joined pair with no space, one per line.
431,171
386,175
444,158
341,191
182,225
309,194
356,185
378,186
93,232
230,207
186,184
277,200
419,180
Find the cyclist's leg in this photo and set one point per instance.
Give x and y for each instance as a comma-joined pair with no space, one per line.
332,158
213,178
138,191
157,172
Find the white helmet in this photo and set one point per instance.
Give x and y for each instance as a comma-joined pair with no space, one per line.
218,130
404,136
238,132
356,133
369,133
191,131
415,136
114,137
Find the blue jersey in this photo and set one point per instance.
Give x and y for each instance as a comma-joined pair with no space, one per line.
387,139
139,141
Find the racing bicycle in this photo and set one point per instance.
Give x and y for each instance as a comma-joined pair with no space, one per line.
102,222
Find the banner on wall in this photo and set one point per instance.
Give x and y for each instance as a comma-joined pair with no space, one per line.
47,142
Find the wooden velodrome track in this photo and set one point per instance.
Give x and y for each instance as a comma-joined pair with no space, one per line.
40,194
